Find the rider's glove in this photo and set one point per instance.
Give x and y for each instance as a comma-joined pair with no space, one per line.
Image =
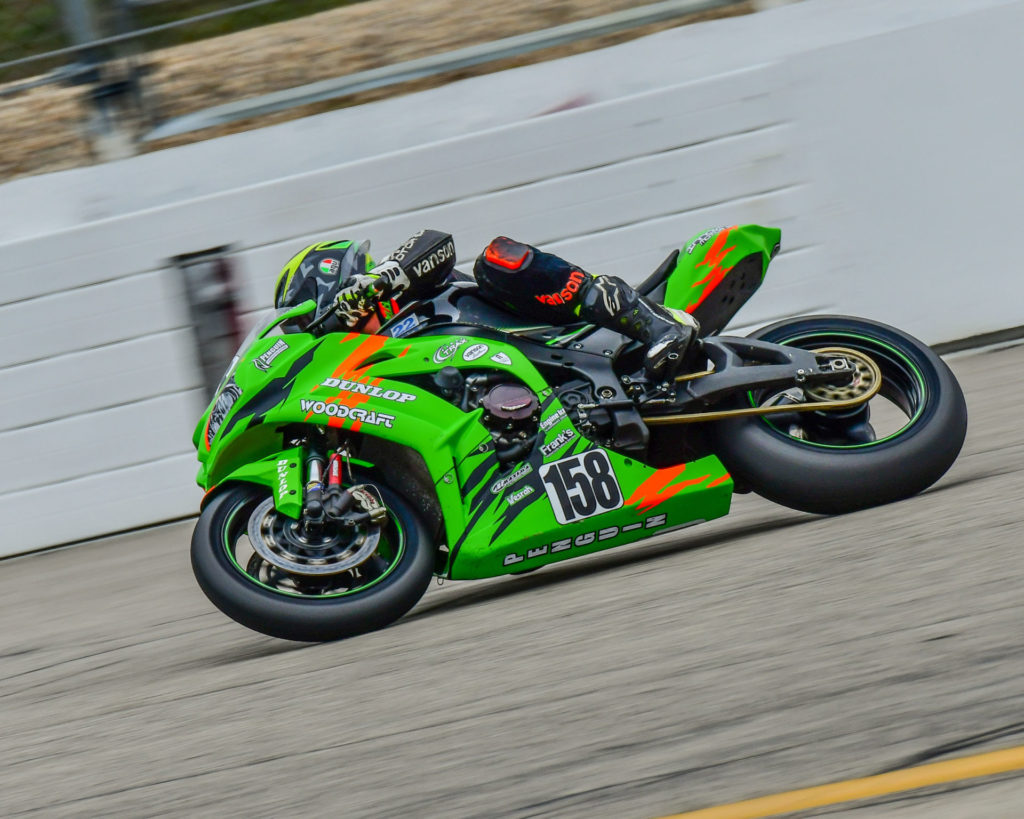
362,293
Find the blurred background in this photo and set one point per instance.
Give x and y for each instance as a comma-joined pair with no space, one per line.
160,160
110,71
169,155
163,158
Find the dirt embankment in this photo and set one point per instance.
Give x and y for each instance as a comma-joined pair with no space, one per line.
43,129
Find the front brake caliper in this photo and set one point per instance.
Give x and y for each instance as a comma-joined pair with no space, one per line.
368,499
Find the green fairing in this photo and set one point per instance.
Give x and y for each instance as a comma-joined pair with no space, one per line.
282,473
495,522
707,259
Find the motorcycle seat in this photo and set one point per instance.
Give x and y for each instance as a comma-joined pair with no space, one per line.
653,287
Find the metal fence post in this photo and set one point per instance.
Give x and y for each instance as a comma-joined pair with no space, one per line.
214,310
109,136
80,23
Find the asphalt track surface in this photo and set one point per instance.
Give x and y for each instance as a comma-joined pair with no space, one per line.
767,651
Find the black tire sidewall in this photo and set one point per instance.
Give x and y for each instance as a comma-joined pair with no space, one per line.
832,481
307,619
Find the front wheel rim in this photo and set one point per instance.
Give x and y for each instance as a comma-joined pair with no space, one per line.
247,561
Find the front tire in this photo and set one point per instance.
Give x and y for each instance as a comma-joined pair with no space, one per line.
283,609
831,475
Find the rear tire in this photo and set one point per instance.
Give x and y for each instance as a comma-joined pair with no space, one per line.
293,616
833,479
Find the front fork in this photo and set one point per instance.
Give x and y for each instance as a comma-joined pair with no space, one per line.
326,499
313,497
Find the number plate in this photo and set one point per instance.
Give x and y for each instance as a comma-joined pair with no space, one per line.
581,486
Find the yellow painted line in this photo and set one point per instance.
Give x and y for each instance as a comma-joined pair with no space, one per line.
908,779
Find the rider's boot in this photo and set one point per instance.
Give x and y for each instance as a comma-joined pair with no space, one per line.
609,302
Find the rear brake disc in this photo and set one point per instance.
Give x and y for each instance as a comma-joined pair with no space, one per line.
866,376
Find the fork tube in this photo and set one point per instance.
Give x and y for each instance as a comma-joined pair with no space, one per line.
314,505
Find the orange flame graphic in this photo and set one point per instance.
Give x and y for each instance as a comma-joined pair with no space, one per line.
656,490
349,370
714,258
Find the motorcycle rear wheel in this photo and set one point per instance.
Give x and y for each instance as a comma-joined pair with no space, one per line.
266,599
819,470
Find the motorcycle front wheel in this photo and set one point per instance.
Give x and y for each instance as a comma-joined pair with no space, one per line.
339,584
836,462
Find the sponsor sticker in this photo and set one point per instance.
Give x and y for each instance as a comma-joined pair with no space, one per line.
502,358
519,494
401,252
372,417
475,351
282,478
502,484
225,401
585,539
367,389
328,266
368,498
406,325
552,419
703,239
264,361
558,442
438,257
446,351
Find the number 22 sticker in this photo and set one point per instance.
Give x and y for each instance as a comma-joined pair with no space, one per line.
581,486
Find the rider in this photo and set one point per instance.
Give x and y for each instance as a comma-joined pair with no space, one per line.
528,281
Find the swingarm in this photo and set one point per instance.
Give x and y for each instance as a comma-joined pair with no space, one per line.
793,379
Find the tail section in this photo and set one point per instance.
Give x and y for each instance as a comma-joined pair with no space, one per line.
718,270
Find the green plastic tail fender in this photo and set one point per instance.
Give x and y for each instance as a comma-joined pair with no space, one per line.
708,258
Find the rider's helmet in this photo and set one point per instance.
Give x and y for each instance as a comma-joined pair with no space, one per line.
318,272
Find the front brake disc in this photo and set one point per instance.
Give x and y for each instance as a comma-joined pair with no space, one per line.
280,541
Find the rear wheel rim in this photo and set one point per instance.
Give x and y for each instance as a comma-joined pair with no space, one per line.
903,383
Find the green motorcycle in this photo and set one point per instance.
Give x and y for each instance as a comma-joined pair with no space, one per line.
343,470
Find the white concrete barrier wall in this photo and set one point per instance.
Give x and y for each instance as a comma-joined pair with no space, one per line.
889,159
